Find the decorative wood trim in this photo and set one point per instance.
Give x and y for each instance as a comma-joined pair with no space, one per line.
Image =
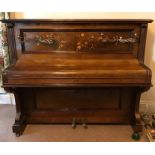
143,35
80,21
11,43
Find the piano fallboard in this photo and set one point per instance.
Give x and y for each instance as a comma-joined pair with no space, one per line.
57,69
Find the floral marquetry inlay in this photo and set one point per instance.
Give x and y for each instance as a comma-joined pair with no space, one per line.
80,41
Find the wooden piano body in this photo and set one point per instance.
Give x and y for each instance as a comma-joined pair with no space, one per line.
77,71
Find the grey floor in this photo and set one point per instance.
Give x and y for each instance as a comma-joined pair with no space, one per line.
62,133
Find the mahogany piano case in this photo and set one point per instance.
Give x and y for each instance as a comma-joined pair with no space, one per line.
77,71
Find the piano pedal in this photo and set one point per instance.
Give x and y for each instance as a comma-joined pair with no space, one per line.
74,123
84,124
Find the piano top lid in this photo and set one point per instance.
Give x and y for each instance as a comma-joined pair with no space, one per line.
116,21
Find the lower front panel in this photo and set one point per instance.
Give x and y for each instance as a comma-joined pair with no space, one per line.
62,105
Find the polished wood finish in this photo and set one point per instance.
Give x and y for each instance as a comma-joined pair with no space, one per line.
83,71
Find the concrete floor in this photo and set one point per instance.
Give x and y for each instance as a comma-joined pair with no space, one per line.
62,133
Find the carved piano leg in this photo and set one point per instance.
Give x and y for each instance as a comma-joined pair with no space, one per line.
135,119
137,127
20,120
19,125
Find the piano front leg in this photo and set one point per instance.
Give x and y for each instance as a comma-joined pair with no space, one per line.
135,118
20,120
19,125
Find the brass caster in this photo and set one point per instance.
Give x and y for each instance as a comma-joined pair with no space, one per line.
84,124
136,136
18,134
74,123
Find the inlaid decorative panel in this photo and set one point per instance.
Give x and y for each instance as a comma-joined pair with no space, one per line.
78,41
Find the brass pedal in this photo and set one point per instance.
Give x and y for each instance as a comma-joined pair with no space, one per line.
84,123
74,123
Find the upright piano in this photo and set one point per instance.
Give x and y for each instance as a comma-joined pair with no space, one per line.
77,71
